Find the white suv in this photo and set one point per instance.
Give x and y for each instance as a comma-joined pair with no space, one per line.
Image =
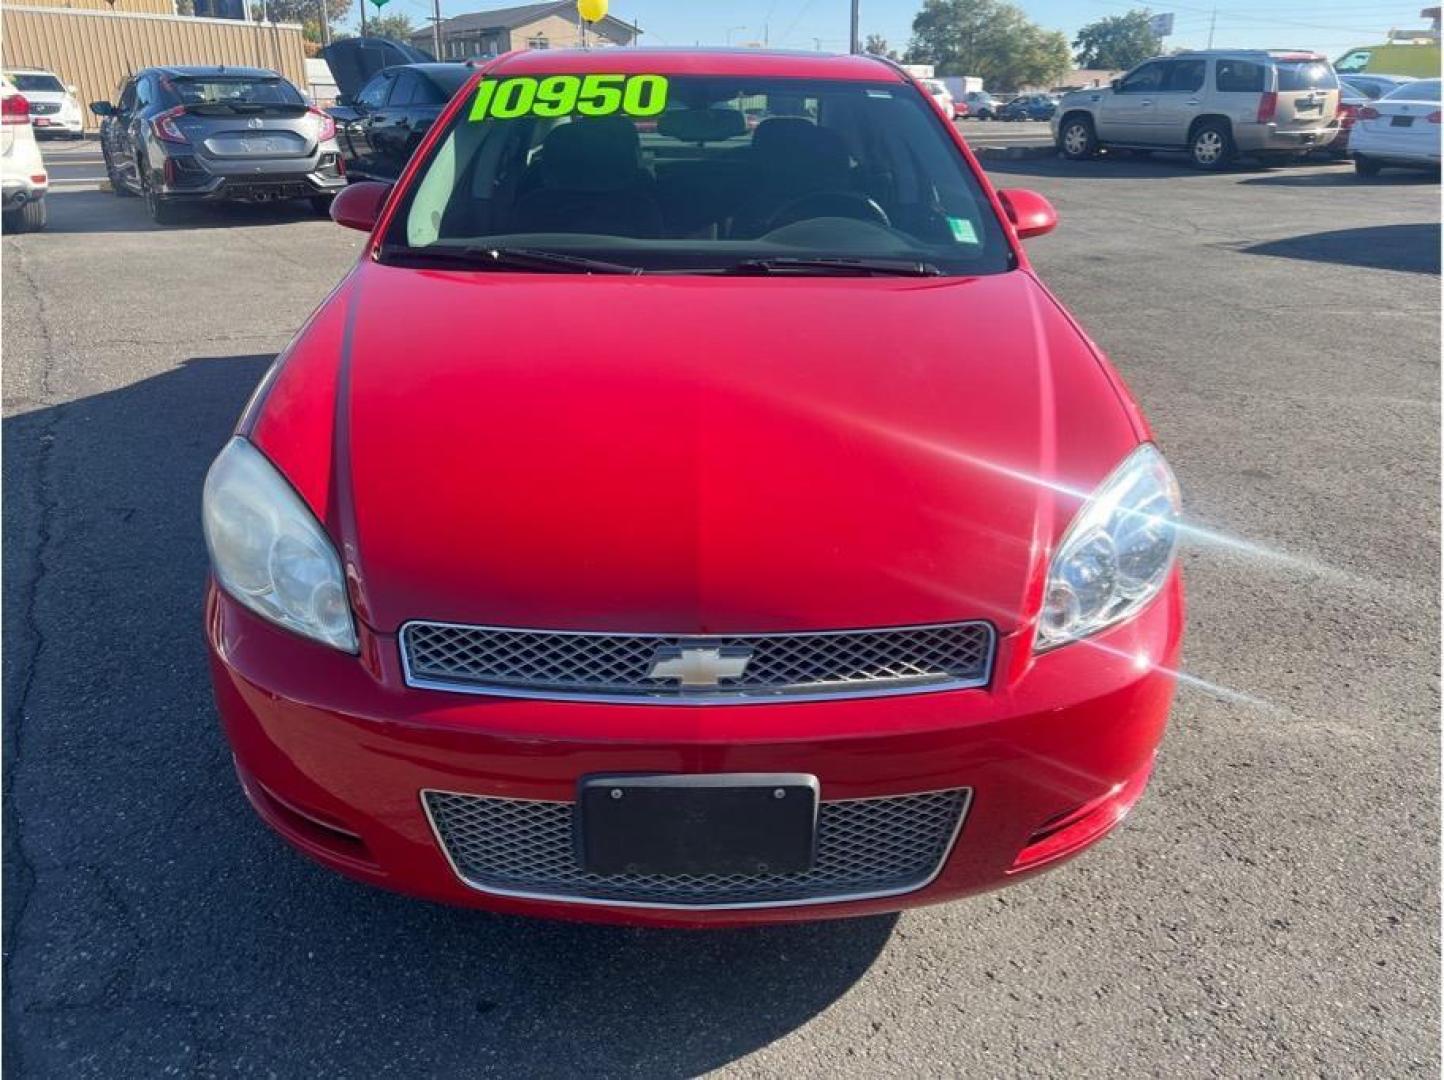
1216,105
23,179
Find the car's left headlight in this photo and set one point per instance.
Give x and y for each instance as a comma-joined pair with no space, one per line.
1116,555
269,552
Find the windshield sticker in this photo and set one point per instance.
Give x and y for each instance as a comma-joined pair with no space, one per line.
562,95
963,231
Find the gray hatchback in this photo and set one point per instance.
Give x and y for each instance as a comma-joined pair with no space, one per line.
183,135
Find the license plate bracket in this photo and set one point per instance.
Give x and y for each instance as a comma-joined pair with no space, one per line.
720,823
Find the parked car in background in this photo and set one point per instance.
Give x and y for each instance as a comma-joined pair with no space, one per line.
1401,129
1419,58
54,107
23,179
1273,105
981,105
178,136
380,129
1372,87
1351,101
940,93
1029,107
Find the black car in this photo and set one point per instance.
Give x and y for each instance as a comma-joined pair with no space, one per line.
379,128
1029,107
185,135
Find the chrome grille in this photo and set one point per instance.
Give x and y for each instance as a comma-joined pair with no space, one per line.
566,664
865,847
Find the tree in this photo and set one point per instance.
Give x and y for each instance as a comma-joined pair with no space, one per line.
305,12
397,26
877,46
990,39
1117,42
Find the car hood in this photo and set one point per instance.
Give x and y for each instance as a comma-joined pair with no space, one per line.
690,454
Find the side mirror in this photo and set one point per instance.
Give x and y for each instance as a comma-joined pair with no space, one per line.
1117,84
102,108
1030,213
359,206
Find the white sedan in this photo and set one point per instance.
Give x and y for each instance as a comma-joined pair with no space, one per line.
1401,128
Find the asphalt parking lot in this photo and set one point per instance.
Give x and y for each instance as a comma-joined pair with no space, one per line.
1271,907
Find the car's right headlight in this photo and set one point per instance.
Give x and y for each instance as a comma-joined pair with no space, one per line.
269,552
1116,555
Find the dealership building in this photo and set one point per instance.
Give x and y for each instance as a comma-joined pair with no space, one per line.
93,45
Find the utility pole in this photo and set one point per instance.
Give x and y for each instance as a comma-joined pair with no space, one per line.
435,28
325,24
1213,18
363,18
854,46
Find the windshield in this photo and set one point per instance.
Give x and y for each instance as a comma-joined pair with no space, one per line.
222,90
1423,90
37,84
701,173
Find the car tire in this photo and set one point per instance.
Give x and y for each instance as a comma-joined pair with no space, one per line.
117,185
27,218
1211,147
1366,166
1077,139
161,211
321,205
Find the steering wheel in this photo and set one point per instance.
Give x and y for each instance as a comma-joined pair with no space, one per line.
846,204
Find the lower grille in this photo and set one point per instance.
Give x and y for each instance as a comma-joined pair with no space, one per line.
865,848
634,667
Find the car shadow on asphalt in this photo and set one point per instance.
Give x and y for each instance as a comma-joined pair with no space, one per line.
104,212
1413,248
1347,177
1126,165
154,924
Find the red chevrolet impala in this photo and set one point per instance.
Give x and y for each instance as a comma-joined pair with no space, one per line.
692,509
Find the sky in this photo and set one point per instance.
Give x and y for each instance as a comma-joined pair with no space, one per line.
1329,26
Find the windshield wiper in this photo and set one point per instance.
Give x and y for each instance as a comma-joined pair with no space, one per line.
507,258
839,266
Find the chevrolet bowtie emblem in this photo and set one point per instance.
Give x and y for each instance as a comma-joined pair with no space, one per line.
699,665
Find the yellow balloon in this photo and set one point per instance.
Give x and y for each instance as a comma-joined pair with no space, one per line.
592,10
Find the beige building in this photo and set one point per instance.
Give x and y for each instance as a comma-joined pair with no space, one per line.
90,45
532,26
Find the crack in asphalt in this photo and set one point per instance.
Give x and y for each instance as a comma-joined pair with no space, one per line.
33,642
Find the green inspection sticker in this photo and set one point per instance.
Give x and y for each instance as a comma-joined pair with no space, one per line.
963,231
562,95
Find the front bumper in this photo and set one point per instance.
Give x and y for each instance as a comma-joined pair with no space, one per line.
334,752
58,124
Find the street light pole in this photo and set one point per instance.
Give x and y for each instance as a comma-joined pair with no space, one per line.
854,47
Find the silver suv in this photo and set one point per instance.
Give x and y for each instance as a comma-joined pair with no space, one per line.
1268,104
